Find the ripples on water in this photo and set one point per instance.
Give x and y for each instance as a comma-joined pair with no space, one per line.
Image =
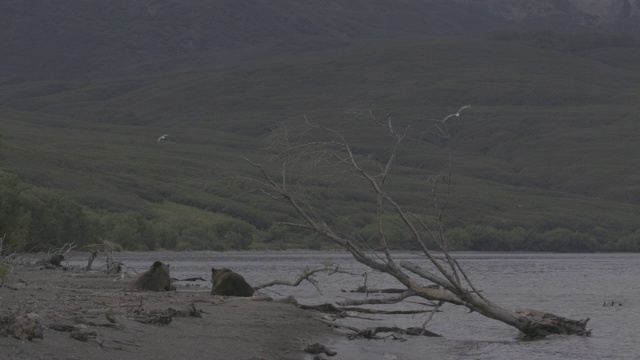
570,285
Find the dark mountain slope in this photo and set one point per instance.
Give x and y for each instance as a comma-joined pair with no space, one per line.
75,38
548,145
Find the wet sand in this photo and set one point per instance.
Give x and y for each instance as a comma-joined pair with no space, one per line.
229,328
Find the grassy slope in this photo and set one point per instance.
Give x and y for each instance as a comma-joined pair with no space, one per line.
550,139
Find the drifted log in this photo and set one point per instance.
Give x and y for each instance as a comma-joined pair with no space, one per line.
161,317
318,348
364,290
91,258
198,278
61,327
332,309
535,323
371,333
83,333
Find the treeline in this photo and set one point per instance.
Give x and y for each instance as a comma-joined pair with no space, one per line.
34,219
548,39
491,238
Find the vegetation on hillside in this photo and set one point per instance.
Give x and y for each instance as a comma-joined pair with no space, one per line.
542,162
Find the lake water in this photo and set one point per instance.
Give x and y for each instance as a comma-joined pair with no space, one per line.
569,285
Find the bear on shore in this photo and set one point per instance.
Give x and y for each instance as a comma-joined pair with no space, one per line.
228,283
157,278
56,260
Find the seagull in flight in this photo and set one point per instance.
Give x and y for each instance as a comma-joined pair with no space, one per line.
444,132
162,137
456,114
448,116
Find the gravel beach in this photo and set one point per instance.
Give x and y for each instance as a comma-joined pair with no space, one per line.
89,315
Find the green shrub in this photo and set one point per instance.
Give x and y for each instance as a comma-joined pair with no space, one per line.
5,270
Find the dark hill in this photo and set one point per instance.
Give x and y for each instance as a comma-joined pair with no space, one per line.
80,38
544,159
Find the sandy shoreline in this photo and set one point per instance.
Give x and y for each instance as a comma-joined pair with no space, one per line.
229,328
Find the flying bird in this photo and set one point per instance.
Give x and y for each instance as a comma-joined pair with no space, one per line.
448,116
456,114
162,137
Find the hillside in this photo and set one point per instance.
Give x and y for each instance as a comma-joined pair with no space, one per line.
88,38
543,160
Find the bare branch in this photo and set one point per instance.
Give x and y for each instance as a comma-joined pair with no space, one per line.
306,274
448,275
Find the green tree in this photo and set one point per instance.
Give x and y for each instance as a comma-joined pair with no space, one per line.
129,229
629,242
15,219
236,234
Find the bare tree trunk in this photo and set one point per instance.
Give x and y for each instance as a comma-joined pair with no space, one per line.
90,262
448,283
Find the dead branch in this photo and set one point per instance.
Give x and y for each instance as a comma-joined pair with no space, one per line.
94,253
305,275
318,348
8,286
365,290
198,278
83,333
376,301
341,311
371,333
452,285
161,317
21,327
112,323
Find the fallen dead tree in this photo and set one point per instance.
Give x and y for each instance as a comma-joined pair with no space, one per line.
307,274
371,333
342,311
440,278
160,317
104,247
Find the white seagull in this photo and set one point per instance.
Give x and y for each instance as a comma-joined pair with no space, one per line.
162,137
456,114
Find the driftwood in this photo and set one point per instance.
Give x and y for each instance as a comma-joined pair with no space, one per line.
161,317
83,333
79,332
8,286
376,301
112,322
543,323
365,290
371,333
113,266
104,247
306,275
21,327
318,348
199,278
93,256
447,282
341,311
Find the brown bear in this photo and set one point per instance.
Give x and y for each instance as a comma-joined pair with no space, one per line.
155,279
56,260
226,282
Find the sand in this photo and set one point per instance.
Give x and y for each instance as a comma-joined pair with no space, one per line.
229,328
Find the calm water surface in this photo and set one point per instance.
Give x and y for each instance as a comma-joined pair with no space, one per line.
570,285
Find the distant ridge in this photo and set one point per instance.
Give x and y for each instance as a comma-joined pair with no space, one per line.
73,38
